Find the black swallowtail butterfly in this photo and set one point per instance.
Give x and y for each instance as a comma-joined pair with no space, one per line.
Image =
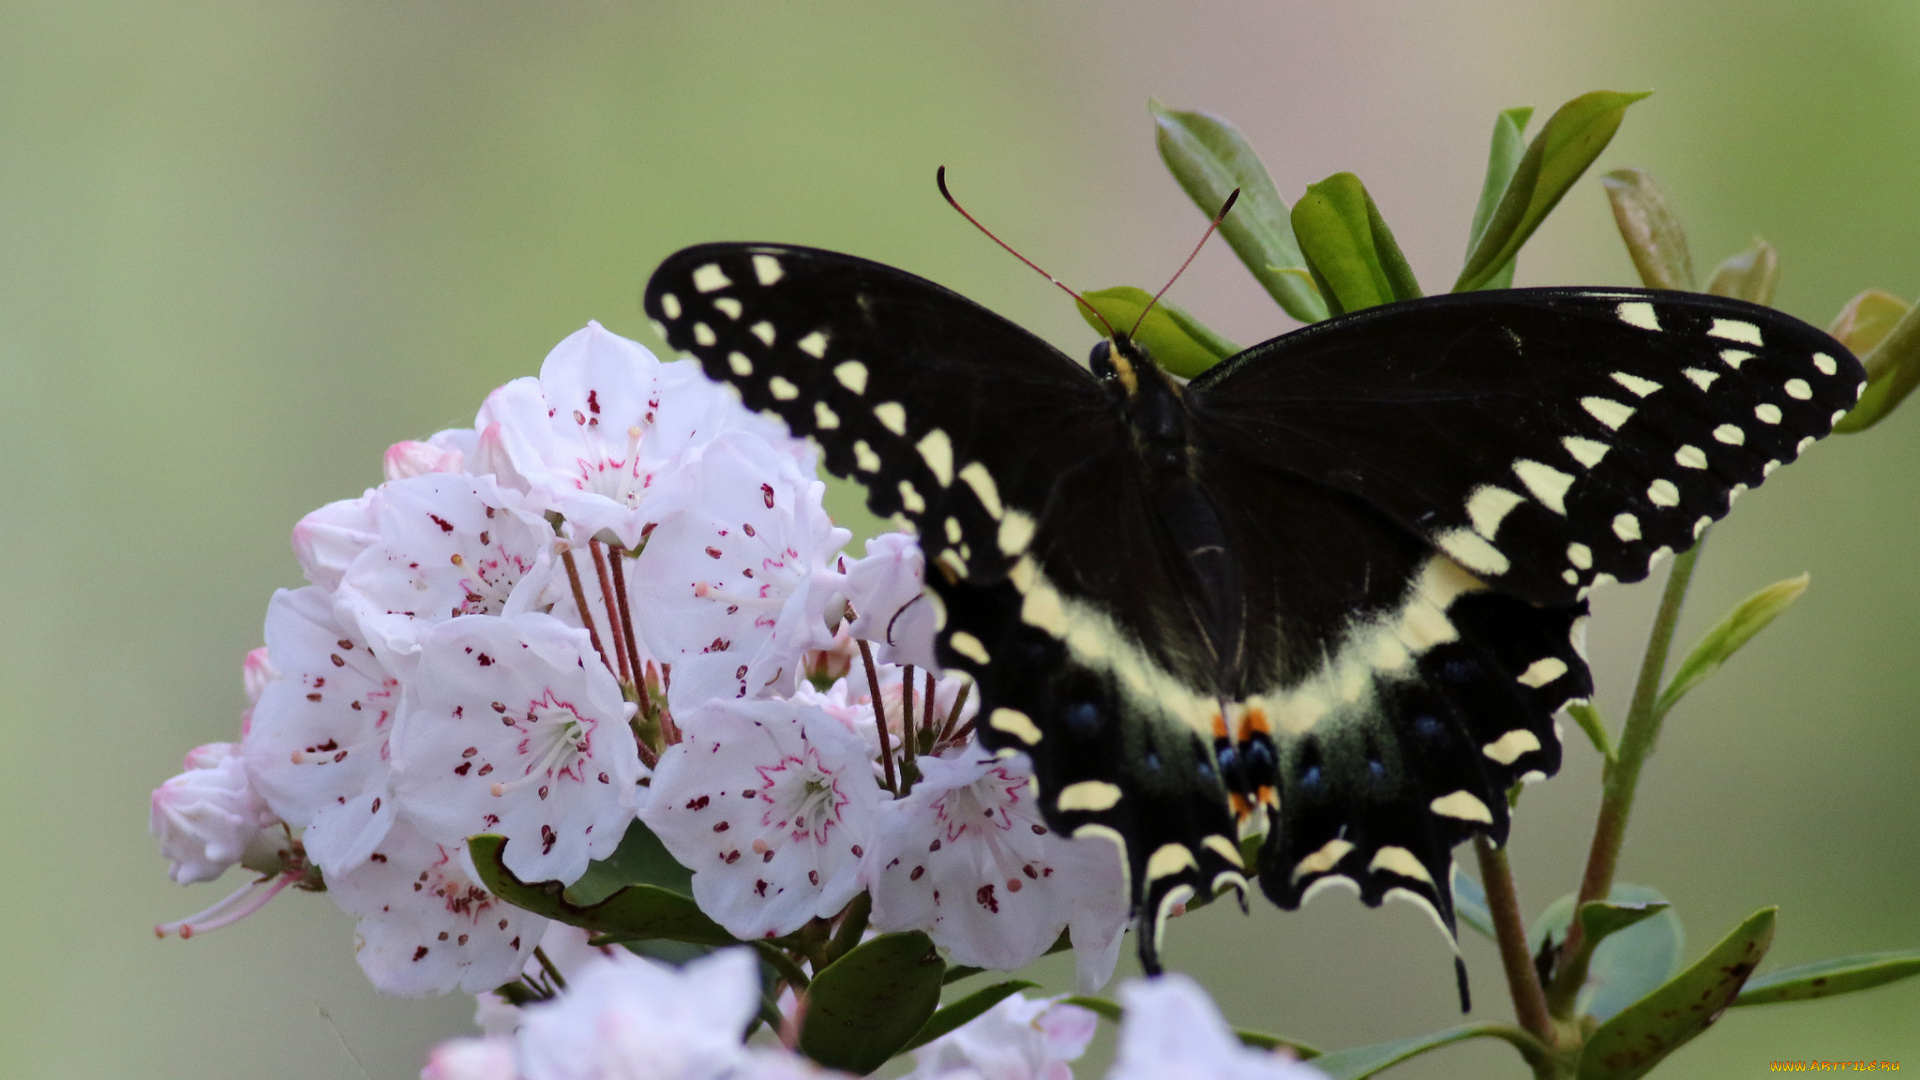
1334,587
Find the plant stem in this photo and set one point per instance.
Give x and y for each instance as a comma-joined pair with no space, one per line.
1621,775
1503,903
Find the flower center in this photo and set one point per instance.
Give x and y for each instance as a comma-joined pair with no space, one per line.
805,797
556,739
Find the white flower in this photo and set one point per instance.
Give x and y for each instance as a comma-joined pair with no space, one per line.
633,1018
207,817
486,1058
734,587
605,419
850,701
889,605
449,545
445,451
317,745
1017,1039
567,948
966,858
514,726
771,804
326,540
1173,1032
426,924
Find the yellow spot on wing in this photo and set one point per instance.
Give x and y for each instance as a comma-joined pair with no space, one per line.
1323,860
1400,861
1015,723
1091,796
1463,805
1507,748
1169,861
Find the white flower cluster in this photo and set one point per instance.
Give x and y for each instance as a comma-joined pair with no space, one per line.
618,595
627,1017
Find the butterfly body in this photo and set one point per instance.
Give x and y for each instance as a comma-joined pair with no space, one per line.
1332,590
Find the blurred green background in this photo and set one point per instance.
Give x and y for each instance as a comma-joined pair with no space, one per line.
243,247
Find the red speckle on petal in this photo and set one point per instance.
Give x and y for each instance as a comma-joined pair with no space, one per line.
445,525
713,552
857,853
1039,830
985,898
730,857
485,660
593,402
548,838
419,954
721,827
813,877
748,529
461,769
766,495
917,871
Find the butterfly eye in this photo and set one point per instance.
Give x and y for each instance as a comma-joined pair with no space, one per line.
1101,361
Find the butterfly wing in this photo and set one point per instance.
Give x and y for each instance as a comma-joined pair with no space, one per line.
1522,446
1056,582
1546,439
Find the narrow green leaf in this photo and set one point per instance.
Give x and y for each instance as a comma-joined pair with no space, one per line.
1176,340
1630,1044
1594,725
1349,247
1509,144
1842,975
1637,956
1557,157
1210,158
866,1006
1651,228
966,1009
641,859
1110,1011
1262,1041
1893,370
1600,919
1753,275
635,913
1470,904
1737,628
1362,1061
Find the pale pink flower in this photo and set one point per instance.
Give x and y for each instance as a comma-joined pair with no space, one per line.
633,1018
735,586
514,726
771,804
489,1057
427,925
967,858
1172,1031
446,451
887,594
208,817
329,538
1018,1039
316,749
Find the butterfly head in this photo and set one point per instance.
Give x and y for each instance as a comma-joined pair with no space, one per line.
1120,357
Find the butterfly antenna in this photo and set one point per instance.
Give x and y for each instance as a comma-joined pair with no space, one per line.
940,178
1215,224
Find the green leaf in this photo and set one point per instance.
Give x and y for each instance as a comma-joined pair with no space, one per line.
1210,158
868,1005
1470,904
1639,955
1737,628
1503,157
1363,1061
1841,975
641,859
967,1009
1630,1044
1348,246
1176,340
1594,725
1893,370
1569,142
1651,229
635,913
1867,319
1753,275
1106,1010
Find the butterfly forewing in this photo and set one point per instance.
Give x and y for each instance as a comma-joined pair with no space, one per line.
1544,438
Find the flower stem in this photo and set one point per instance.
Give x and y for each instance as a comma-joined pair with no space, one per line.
1621,775
879,715
580,600
1503,903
